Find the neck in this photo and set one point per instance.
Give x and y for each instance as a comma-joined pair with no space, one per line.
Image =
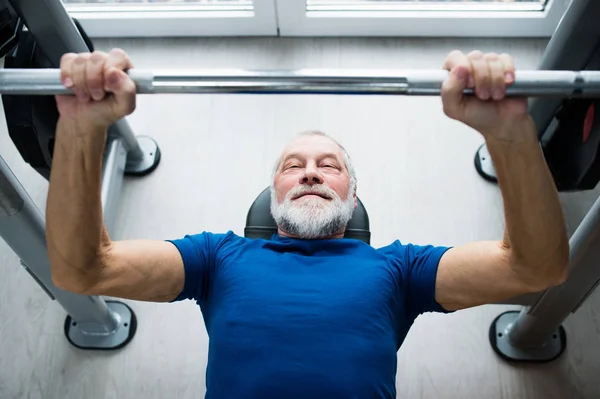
284,233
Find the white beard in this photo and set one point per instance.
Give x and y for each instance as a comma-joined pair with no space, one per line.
312,218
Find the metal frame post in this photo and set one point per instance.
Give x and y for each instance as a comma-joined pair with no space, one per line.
92,323
535,333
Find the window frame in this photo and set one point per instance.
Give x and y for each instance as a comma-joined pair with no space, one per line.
295,20
163,20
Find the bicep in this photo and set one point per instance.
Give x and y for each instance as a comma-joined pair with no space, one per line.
143,270
477,274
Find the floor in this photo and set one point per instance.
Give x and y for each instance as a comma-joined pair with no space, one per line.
416,178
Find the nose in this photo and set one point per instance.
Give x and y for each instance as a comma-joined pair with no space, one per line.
311,176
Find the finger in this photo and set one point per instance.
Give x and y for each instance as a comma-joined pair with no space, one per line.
458,80
481,73
78,75
509,68
455,58
117,60
95,74
124,98
65,69
496,68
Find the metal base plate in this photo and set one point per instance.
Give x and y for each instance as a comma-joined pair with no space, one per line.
484,165
535,354
148,163
112,340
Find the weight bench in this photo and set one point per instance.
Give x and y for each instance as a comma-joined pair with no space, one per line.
534,334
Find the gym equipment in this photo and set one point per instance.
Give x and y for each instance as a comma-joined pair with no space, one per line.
568,130
11,27
569,84
260,222
534,334
92,322
32,120
569,137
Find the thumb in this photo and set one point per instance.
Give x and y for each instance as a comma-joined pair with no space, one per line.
452,92
124,91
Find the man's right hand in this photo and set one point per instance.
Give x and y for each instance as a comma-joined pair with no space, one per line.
104,93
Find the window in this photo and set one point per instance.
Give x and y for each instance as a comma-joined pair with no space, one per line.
135,18
458,18
426,5
409,18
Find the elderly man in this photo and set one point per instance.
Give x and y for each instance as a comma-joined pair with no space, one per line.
306,314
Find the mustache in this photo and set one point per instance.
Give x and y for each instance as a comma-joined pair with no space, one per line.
320,189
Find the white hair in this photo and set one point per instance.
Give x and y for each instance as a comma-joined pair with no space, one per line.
347,160
312,219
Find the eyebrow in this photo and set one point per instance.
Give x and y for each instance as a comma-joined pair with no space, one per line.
298,155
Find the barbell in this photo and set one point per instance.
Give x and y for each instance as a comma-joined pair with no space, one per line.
567,84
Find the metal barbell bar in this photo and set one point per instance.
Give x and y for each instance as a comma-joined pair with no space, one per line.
569,84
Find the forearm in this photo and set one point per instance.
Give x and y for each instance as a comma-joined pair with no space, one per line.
535,235
74,226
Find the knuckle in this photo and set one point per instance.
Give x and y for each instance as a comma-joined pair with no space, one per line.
508,60
118,51
81,59
66,58
119,58
118,54
490,56
98,57
475,54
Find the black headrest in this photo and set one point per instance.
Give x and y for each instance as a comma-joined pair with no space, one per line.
260,222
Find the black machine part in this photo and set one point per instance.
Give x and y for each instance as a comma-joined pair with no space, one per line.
11,26
31,120
571,143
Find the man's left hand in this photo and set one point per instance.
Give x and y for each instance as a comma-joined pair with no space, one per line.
488,111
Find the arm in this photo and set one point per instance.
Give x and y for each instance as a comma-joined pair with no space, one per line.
82,256
534,252
83,259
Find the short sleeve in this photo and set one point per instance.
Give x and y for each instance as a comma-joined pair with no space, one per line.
200,256
422,263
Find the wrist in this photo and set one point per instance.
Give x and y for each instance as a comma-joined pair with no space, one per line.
74,127
76,124
514,130
80,136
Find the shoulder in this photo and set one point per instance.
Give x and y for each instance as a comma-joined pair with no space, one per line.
409,250
393,249
410,255
209,242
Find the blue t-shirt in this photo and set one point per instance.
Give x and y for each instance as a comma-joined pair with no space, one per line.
291,318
